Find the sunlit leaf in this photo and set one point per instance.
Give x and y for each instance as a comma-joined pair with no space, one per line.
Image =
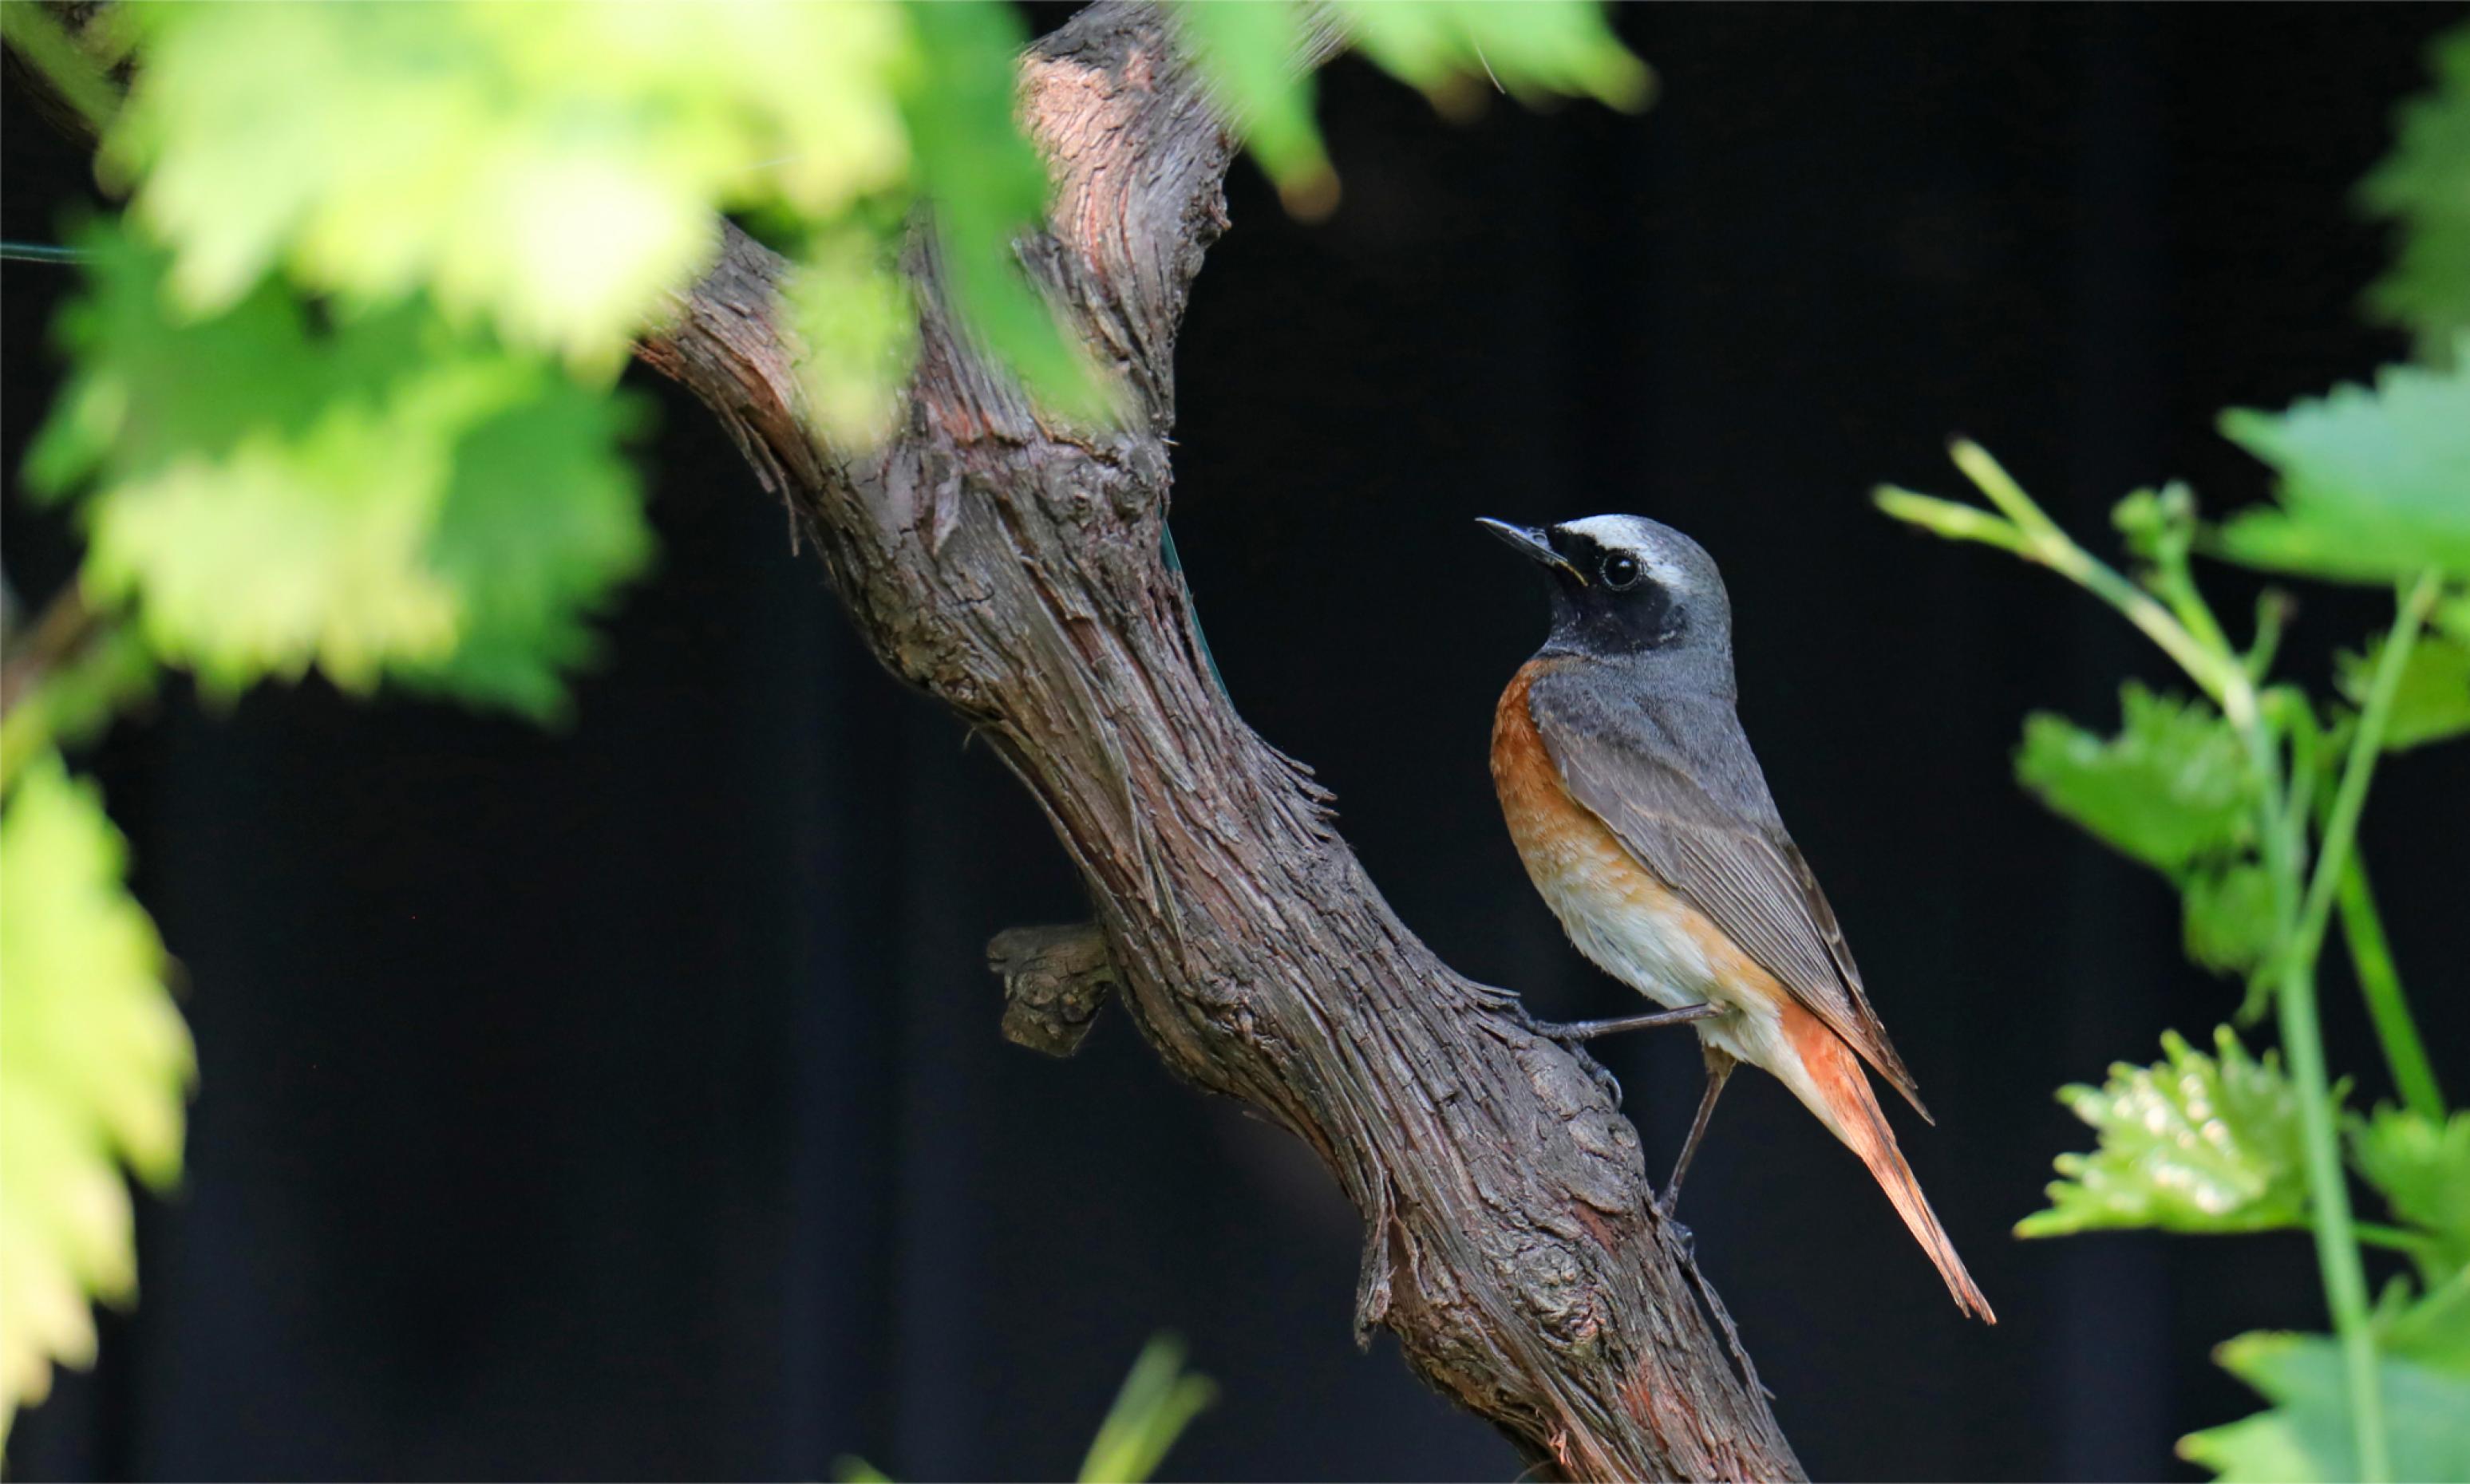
2434,701
2307,1437
1251,56
985,186
2424,185
2172,785
552,167
2374,485
94,1069
385,496
2423,1171
859,327
1535,50
2191,1144
1159,1399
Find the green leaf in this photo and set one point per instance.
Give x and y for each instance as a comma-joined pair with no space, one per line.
2434,701
2191,1144
1251,55
2424,185
1536,49
859,326
552,167
387,497
2307,1436
2423,1171
2171,786
2435,1331
2374,485
1159,1399
2228,917
36,36
987,187
94,1070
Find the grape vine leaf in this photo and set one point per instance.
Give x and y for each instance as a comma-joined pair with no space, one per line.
2307,1435
2191,1144
386,496
2374,485
2424,187
94,1071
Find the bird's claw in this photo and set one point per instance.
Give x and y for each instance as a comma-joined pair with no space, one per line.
1681,1235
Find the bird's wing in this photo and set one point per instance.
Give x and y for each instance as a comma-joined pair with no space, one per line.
1689,804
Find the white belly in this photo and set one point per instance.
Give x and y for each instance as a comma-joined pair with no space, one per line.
1656,944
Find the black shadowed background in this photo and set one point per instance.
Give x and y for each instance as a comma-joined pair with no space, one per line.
627,1102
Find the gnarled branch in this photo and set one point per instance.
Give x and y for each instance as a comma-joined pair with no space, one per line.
1014,568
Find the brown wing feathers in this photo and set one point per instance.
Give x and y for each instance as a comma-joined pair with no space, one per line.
1743,874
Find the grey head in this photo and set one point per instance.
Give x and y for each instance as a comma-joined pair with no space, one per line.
1632,592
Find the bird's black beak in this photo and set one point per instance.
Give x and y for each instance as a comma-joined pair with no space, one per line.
1531,545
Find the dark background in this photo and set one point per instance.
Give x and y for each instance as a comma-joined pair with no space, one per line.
627,1102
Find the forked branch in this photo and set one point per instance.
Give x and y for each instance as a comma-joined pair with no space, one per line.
1014,568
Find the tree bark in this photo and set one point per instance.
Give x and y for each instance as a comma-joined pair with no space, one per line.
1013,567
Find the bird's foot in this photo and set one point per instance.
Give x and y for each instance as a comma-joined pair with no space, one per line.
1573,1031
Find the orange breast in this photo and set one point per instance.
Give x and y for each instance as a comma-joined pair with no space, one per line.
1615,908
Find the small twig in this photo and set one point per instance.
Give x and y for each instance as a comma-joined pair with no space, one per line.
65,624
1055,980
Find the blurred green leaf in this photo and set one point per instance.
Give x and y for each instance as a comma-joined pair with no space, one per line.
987,186
2171,786
2423,1171
2191,1144
859,327
94,1069
2307,1438
1536,49
2159,524
2434,1331
2228,917
2434,702
384,497
552,167
36,35
2424,185
1251,55
1159,1399
2374,485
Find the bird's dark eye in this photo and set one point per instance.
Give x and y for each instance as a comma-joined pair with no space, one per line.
1620,571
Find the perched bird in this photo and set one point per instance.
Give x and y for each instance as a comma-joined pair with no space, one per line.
1644,821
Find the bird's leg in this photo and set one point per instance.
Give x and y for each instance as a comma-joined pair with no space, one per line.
1589,1029
1719,1066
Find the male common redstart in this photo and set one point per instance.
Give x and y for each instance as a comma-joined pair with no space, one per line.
1646,823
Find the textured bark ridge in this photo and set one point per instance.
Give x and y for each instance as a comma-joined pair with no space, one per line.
1013,567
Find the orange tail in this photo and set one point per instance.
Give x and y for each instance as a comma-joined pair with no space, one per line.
1853,1114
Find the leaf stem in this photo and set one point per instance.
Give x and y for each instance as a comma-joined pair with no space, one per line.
2362,928
2394,1238
2301,938
2220,675
2350,797
2328,1203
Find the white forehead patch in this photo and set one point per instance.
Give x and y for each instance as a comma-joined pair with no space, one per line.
1641,540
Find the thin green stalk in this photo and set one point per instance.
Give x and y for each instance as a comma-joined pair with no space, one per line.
2337,1246
2395,1239
2371,960
2362,928
2045,542
2341,824
2301,938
